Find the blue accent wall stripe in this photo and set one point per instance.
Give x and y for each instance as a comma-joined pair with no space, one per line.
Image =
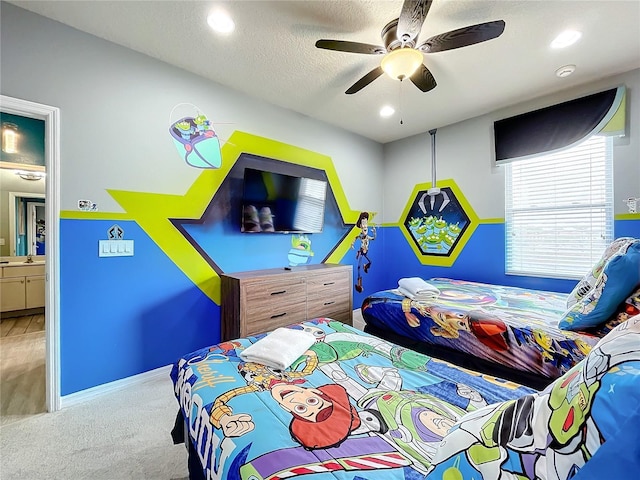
122,316
627,228
482,260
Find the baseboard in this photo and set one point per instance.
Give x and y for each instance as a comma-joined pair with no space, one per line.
93,392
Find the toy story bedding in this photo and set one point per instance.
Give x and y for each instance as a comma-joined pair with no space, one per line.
500,325
584,426
353,406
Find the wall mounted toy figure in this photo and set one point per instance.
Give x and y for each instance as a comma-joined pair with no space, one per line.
365,238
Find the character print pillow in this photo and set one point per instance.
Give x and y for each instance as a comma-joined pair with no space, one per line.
551,434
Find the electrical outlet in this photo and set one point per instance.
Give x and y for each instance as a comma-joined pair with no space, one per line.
1,242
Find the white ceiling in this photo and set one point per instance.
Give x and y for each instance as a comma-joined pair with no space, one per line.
272,55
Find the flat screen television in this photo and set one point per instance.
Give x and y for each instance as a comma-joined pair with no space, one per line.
278,203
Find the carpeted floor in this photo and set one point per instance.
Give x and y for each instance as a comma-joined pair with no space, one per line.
121,435
118,436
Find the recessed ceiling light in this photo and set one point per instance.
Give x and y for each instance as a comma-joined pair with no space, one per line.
565,71
387,111
220,22
566,38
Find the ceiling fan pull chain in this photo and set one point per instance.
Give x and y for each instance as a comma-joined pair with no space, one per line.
400,101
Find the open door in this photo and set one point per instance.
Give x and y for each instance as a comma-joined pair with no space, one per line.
51,117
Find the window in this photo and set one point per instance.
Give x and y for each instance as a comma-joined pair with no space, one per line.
559,210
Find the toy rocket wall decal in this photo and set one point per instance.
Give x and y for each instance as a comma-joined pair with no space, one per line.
196,140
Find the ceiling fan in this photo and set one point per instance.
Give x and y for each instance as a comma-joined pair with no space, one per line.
402,58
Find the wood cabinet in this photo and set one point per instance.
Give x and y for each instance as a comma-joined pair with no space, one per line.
22,287
261,300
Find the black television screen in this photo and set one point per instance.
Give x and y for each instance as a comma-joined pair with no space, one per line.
277,203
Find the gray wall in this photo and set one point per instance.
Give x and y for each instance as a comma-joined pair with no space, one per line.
464,152
115,101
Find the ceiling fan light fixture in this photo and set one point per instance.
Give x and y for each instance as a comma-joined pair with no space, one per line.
401,63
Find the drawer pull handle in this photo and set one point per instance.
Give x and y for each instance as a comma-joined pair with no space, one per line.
279,315
329,303
329,283
279,293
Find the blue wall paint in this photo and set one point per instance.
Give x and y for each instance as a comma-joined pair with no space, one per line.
627,228
123,316
127,315
482,259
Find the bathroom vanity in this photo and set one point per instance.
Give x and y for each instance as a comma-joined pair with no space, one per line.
22,285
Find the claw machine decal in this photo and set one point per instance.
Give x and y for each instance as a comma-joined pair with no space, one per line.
435,223
438,222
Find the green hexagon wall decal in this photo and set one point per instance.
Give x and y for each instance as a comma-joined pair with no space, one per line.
437,227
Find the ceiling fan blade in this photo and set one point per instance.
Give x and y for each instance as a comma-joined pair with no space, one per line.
364,81
351,47
411,19
463,37
423,79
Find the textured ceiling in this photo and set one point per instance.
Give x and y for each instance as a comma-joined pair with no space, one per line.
271,55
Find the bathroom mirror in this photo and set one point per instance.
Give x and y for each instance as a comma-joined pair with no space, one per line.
22,186
22,222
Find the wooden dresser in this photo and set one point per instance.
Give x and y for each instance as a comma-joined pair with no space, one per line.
261,300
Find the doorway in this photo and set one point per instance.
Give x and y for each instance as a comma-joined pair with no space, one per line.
27,222
51,219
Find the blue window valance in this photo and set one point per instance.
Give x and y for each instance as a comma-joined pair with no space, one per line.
560,126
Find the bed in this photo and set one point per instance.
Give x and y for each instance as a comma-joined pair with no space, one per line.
389,408
506,331
354,406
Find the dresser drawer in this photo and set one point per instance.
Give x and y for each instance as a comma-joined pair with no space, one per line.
273,317
338,308
268,305
275,291
330,285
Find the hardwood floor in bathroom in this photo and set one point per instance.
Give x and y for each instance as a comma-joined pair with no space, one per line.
22,367
10,327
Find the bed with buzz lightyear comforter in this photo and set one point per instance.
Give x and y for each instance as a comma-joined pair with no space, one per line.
507,331
353,406
356,407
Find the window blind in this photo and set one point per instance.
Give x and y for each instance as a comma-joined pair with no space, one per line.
559,210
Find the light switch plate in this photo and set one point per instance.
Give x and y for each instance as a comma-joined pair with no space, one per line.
115,248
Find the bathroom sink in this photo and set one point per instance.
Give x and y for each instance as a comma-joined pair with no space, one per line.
21,264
